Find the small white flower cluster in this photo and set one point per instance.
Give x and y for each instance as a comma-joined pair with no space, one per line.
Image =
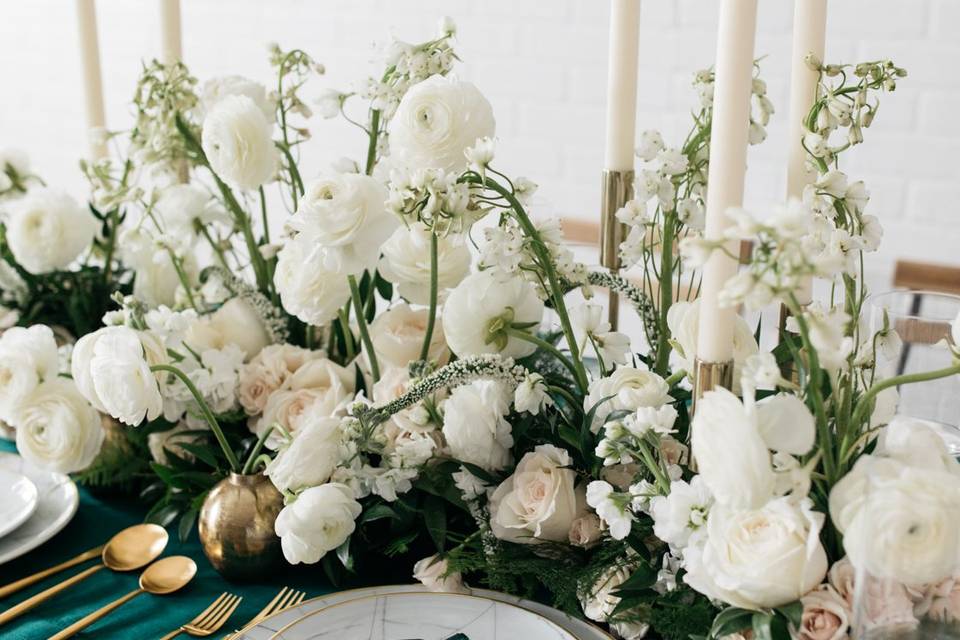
761,107
434,197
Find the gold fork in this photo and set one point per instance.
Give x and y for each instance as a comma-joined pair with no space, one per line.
284,600
210,619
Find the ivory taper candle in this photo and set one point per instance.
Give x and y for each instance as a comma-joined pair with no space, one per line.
622,84
92,80
728,162
171,40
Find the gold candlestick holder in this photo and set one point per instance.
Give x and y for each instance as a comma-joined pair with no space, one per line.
708,376
616,191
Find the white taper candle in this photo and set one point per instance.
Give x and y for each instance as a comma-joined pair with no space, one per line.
171,41
92,80
622,84
809,36
728,162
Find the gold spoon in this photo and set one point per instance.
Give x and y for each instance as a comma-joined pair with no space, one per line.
162,577
130,549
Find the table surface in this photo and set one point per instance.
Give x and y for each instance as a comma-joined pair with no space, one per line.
146,616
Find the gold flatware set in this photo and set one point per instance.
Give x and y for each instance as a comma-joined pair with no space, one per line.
134,548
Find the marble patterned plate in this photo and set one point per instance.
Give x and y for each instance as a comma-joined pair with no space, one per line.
268,628
18,500
425,616
57,501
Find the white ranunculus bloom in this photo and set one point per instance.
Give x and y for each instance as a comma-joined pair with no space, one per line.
786,424
759,558
683,320
627,388
28,357
540,500
47,230
111,368
57,428
731,455
236,323
310,458
480,306
475,426
307,289
216,89
238,142
406,262
318,521
397,335
436,121
345,216
434,573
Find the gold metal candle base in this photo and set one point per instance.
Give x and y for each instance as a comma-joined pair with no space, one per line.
707,376
616,191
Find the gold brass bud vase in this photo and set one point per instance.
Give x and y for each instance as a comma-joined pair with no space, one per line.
236,526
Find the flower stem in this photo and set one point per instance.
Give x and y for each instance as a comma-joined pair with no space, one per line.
344,318
205,410
362,325
251,459
676,377
372,145
666,294
432,317
863,404
546,346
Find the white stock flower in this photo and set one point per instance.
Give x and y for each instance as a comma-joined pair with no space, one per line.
216,89
310,457
28,357
651,143
731,455
318,521
480,155
475,425
531,395
344,215
436,121
539,501
470,486
111,368
57,428
759,558
590,327
627,388
181,207
307,289
760,371
397,335
682,513
481,308
406,262
47,230
660,420
237,140
434,573
612,507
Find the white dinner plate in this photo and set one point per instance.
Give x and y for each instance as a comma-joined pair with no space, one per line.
57,500
18,500
270,626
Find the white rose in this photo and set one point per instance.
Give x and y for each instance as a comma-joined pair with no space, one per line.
318,521
475,426
731,455
628,388
237,140
683,320
111,369
57,428
28,356
397,335
434,573
539,501
236,323
478,307
309,459
406,262
436,121
47,230
759,558
344,214
307,289
216,89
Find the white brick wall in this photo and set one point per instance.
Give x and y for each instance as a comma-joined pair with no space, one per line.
542,64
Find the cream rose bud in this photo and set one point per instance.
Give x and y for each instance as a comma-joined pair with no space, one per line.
585,531
310,457
307,289
539,501
475,426
480,310
437,120
57,428
406,262
268,371
397,335
732,457
683,320
47,230
28,356
628,388
216,89
434,573
826,615
111,368
238,141
345,216
759,558
236,323
318,521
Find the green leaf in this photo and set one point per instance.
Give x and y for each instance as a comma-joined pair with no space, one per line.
378,512
761,624
344,556
480,472
792,612
435,519
729,621
384,287
201,452
642,578
187,521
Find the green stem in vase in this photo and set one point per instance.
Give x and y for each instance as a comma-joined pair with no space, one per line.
372,144
362,326
432,314
666,293
865,402
257,448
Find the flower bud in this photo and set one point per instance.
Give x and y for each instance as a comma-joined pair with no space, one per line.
813,62
832,70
